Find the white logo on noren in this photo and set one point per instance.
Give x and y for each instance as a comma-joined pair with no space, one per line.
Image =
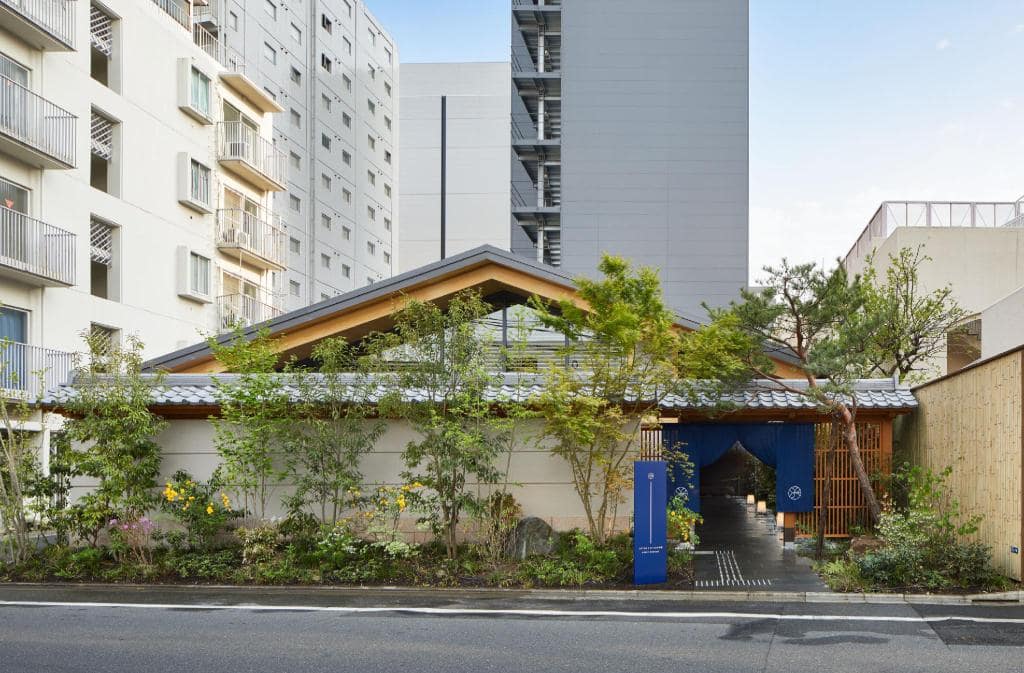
795,492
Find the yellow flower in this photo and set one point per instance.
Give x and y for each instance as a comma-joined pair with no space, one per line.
401,503
224,499
209,508
191,498
184,507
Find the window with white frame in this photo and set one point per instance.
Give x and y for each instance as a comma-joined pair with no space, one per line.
346,270
269,53
387,224
371,214
196,180
195,272
346,157
346,233
371,142
326,181
325,221
371,178
346,119
387,190
294,245
325,100
346,196
371,106
325,261
294,288
387,258
347,81
371,247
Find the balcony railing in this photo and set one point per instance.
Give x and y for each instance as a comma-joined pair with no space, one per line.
53,19
31,121
242,148
29,371
536,3
892,215
241,309
258,237
176,9
37,249
217,50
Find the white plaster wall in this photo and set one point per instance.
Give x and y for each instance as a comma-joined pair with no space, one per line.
478,168
1002,324
542,482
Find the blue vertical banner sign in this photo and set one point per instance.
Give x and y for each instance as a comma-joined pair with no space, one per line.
650,522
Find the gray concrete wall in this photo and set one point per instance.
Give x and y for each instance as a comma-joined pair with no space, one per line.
655,141
478,146
1002,323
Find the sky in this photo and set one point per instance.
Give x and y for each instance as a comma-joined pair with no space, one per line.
851,104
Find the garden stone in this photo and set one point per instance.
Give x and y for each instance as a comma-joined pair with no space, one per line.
864,544
532,536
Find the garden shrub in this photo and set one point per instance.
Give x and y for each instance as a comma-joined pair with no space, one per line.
259,544
201,508
923,543
578,561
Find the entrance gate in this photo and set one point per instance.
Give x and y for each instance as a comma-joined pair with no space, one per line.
787,447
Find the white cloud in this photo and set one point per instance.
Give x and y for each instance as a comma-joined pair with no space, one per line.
943,44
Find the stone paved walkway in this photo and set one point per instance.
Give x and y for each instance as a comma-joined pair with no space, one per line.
740,550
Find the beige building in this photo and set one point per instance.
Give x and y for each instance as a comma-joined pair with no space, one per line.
138,167
977,249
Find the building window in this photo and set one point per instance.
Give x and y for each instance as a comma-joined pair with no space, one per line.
102,261
371,214
296,33
346,157
347,81
270,8
325,261
232,21
269,53
325,140
294,159
105,155
325,100
348,45
327,24
326,181
346,270
296,119
294,203
371,106
346,196
371,247
387,224
387,258
198,274
387,88
102,340
373,72
325,62
296,75
371,178
346,119
294,245
325,221
373,36
371,142
389,56
102,34
201,178
369,280
348,7
199,92
346,233
294,288
387,122
387,157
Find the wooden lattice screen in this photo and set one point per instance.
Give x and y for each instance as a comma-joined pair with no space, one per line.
848,508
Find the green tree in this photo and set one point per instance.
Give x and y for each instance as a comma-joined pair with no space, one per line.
439,355
19,465
822,319
333,427
111,437
912,324
254,416
623,338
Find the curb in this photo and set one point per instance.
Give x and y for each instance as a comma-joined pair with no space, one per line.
821,597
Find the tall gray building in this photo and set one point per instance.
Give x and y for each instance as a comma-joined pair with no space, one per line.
629,136
334,69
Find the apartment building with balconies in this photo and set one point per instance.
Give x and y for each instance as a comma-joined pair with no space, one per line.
629,136
334,69
137,174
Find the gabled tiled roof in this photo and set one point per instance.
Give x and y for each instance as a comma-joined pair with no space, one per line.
202,391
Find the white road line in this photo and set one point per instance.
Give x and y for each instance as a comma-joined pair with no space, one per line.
520,612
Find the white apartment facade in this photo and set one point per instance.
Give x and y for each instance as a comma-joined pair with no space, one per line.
138,171
334,69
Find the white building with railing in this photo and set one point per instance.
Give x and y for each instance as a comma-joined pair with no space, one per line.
137,177
975,248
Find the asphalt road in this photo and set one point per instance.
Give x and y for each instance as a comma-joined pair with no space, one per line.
55,630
